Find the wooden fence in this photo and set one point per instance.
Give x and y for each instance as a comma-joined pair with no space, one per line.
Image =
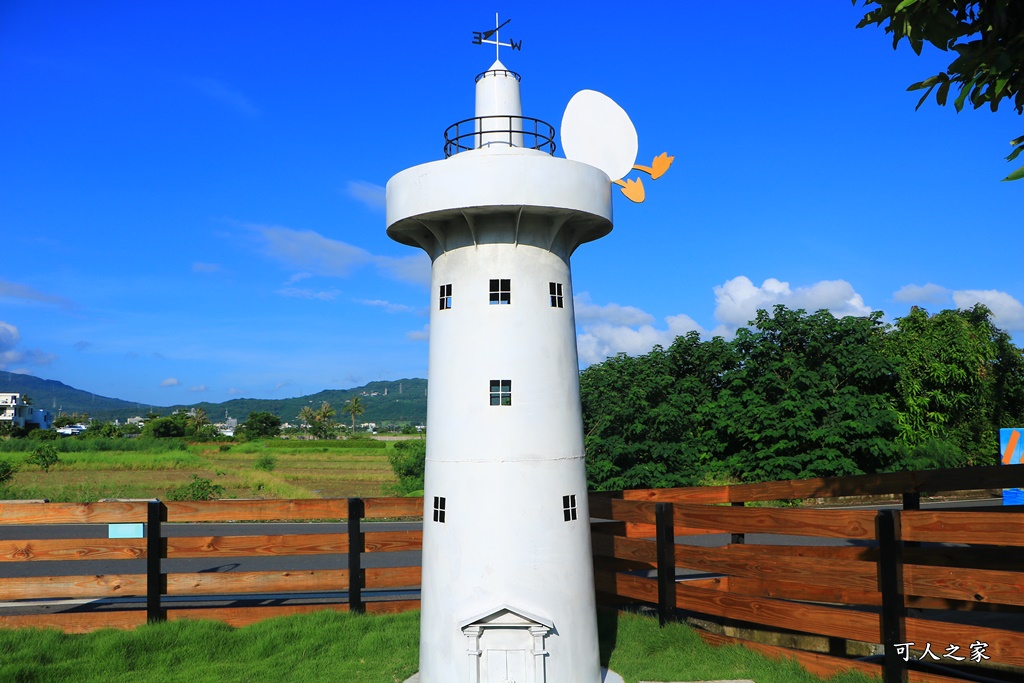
936,579
159,543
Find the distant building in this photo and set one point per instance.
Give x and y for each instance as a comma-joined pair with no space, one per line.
14,410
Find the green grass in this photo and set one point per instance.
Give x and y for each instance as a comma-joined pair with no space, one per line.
145,468
334,646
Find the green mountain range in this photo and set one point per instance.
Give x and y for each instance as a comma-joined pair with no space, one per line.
400,401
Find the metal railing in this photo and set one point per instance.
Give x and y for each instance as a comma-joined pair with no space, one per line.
512,131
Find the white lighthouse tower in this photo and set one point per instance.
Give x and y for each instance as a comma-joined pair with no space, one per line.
507,589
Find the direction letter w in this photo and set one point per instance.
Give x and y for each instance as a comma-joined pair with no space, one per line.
515,45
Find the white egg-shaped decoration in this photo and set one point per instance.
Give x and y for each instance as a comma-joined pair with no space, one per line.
598,132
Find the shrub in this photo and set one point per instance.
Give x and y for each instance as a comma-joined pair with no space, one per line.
267,463
408,460
45,456
7,472
197,489
44,434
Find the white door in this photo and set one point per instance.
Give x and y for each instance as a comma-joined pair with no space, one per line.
506,666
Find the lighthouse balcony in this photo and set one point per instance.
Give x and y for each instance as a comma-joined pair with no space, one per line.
481,132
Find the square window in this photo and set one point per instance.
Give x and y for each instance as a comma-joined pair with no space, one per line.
445,297
439,509
569,508
501,292
555,289
501,392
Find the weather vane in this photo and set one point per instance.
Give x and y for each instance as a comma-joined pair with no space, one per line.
479,38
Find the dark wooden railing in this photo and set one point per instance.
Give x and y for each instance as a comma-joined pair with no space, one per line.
853,582
160,543
876,577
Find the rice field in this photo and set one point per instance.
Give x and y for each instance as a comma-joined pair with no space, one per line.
275,468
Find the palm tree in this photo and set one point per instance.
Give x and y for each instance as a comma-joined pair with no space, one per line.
197,419
323,420
307,416
353,408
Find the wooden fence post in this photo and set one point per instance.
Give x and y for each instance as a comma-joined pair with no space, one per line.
356,548
890,580
156,580
665,537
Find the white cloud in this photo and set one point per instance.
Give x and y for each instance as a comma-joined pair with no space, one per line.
315,254
9,336
198,389
1007,312
610,329
170,382
414,269
298,277
738,300
200,267
419,335
368,193
10,356
922,294
387,305
614,314
229,97
14,290
297,293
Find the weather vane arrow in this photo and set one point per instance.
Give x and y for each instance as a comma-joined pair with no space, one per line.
484,37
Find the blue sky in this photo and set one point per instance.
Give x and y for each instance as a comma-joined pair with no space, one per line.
191,193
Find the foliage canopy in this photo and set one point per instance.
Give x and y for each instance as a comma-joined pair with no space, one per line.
801,395
988,38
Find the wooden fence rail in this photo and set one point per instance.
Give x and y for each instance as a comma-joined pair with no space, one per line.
156,546
847,577
936,579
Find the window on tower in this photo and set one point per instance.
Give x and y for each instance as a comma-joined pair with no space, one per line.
439,509
555,288
501,292
446,297
501,392
569,507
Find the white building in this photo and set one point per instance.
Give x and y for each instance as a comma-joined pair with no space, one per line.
14,410
507,588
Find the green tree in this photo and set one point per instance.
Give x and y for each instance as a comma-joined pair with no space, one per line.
810,397
323,421
647,419
307,416
196,420
960,380
354,407
164,428
988,38
262,425
102,430
45,457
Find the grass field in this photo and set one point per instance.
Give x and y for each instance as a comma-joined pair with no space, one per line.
332,646
261,469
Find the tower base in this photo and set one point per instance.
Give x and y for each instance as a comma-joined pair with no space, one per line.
607,676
